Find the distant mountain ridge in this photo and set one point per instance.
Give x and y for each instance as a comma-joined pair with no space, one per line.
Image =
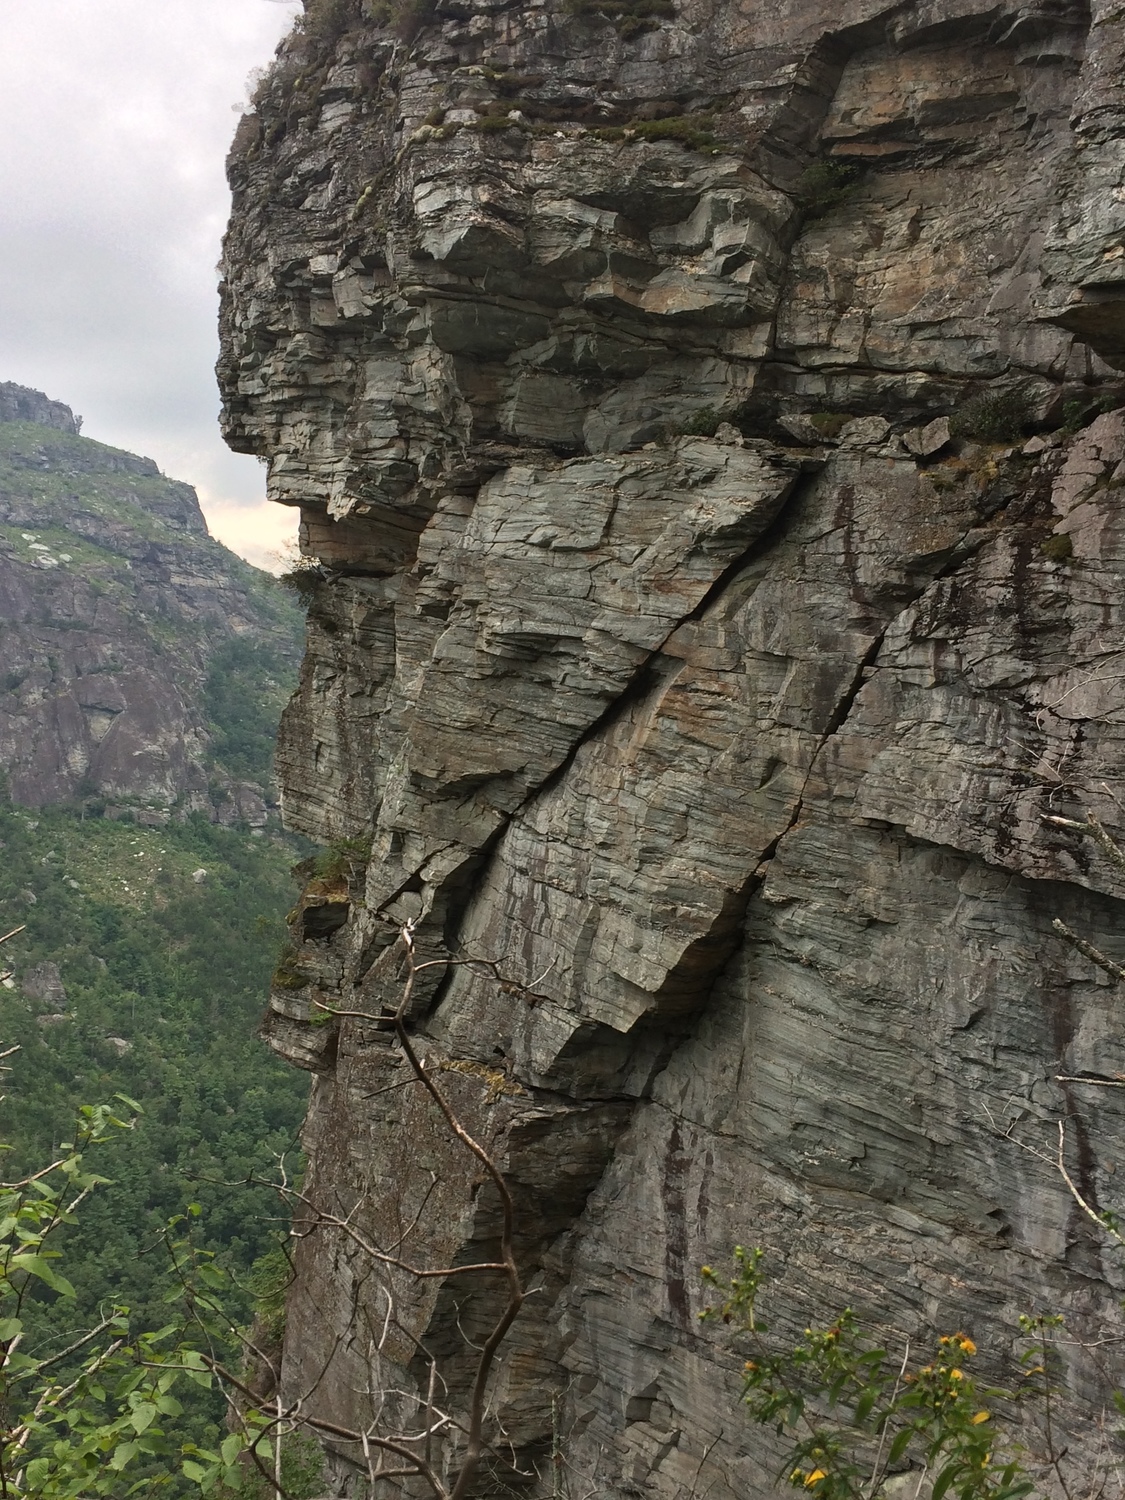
142,665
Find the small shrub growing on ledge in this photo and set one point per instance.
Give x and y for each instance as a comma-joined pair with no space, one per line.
338,861
991,417
1059,548
1077,414
289,975
702,423
404,17
829,423
492,124
510,82
327,20
303,580
692,131
825,184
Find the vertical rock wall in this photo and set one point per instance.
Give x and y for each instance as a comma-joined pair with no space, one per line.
709,439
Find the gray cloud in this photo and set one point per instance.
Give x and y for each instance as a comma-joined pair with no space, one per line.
117,115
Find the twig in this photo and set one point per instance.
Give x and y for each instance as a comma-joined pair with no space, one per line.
474,1447
1091,1212
1095,830
875,1476
1095,955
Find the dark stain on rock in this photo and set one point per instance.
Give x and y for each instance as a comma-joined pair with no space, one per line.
673,1193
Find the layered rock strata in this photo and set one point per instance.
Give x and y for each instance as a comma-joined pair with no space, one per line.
708,431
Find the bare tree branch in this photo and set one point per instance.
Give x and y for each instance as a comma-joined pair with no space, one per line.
1095,955
412,1453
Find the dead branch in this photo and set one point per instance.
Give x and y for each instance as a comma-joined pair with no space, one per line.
1095,955
473,1450
1094,829
1100,1220
410,1453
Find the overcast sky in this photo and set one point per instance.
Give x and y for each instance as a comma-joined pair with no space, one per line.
116,116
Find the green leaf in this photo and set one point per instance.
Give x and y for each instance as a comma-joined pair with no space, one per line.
9,1327
124,1453
36,1473
944,1480
900,1445
36,1265
142,1416
194,1471
231,1448
128,1383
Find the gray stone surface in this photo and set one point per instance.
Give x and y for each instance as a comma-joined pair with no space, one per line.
19,403
712,445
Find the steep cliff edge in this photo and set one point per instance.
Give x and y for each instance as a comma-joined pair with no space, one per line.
138,655
708,422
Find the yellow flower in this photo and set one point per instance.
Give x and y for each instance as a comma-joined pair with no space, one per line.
815,1477
967,1345
981,1416
956,1375
796,1474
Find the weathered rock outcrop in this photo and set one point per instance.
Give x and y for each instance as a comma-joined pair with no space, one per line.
19,403
710,431
117,610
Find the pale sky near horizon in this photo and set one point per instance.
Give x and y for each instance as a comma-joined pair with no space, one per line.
117,116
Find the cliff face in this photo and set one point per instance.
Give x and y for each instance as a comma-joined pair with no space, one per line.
121,623
710,428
